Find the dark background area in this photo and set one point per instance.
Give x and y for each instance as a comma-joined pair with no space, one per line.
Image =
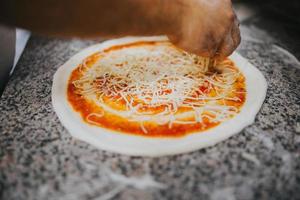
279,18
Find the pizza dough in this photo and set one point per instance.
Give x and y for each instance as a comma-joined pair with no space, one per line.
110,140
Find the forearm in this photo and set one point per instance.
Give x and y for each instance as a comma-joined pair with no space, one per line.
204,27
89,17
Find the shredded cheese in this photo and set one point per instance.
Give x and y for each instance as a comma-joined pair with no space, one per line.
160,76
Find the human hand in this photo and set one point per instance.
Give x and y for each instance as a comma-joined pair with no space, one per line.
208,28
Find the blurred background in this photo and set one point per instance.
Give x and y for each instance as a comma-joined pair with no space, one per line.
279,19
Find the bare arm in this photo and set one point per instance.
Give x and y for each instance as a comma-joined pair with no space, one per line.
205,27
84,17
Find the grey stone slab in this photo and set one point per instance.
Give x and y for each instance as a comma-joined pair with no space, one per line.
40,160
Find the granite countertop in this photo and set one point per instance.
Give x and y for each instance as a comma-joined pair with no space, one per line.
40,160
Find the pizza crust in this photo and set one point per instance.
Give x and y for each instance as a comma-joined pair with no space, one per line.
109,140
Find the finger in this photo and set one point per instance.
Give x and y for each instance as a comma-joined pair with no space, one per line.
231,40
205,47
226,47
235,34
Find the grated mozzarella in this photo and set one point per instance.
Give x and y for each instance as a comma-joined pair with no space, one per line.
159,76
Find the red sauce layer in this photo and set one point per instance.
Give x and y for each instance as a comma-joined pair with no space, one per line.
120,124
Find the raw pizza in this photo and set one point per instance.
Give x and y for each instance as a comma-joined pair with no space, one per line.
142,96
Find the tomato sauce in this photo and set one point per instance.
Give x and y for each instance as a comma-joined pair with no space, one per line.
123,125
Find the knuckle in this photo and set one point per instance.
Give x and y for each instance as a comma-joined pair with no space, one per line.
231,16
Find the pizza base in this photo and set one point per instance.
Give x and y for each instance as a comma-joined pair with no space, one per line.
134,145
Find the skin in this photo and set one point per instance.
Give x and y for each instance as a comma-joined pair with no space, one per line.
205,27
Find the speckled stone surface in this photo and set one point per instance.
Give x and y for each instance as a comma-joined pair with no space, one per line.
40,160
